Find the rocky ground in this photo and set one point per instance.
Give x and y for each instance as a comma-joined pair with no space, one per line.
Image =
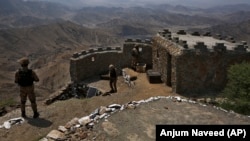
133,123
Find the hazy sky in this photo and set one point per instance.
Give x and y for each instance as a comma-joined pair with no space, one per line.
124,3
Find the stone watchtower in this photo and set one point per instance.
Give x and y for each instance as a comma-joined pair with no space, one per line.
194,63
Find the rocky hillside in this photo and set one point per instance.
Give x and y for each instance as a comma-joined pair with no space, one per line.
240,31
140,17
50,39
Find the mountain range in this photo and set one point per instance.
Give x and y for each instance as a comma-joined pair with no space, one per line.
19,13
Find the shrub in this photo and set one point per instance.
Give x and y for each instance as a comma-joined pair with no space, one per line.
237,89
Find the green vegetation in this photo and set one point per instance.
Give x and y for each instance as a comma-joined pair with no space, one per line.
237,90
7,102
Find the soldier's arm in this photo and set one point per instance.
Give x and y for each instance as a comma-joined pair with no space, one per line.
35,76
16,77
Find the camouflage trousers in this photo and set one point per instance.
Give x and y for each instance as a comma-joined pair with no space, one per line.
112,84
28,92
134,62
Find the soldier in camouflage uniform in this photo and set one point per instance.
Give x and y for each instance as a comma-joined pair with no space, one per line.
25,78
135,57
112,78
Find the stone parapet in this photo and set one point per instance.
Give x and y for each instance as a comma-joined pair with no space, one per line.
207,34
95,61
240,47
196,33
95,50
200,46
183,43
182,32
203,42
219,47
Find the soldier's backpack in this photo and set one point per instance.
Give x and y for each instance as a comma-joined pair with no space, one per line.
25,78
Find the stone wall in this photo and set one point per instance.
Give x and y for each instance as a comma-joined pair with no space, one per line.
94,62
196,69
164,59
145,51
199,73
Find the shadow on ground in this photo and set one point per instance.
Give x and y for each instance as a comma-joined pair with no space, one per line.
39,122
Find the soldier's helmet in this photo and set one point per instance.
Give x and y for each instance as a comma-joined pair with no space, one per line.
24,61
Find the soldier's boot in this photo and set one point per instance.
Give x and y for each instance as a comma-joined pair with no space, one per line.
34,108
24,114
23,109
115,88
36,115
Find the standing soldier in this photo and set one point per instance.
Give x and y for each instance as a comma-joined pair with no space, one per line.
25,78
135,57
112,78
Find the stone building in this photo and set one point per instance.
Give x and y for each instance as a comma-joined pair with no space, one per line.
189,63
195,63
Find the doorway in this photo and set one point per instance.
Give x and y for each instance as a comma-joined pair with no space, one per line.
169,69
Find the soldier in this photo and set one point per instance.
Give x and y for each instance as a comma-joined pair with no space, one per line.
135,57
112,78
25,78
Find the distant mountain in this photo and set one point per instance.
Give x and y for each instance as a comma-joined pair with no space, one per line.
177,9
18,13
48,39
240,31
8,7
237,17
28,21
113,22
131,3
229,8
35,8
90,16
125,28
146,19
